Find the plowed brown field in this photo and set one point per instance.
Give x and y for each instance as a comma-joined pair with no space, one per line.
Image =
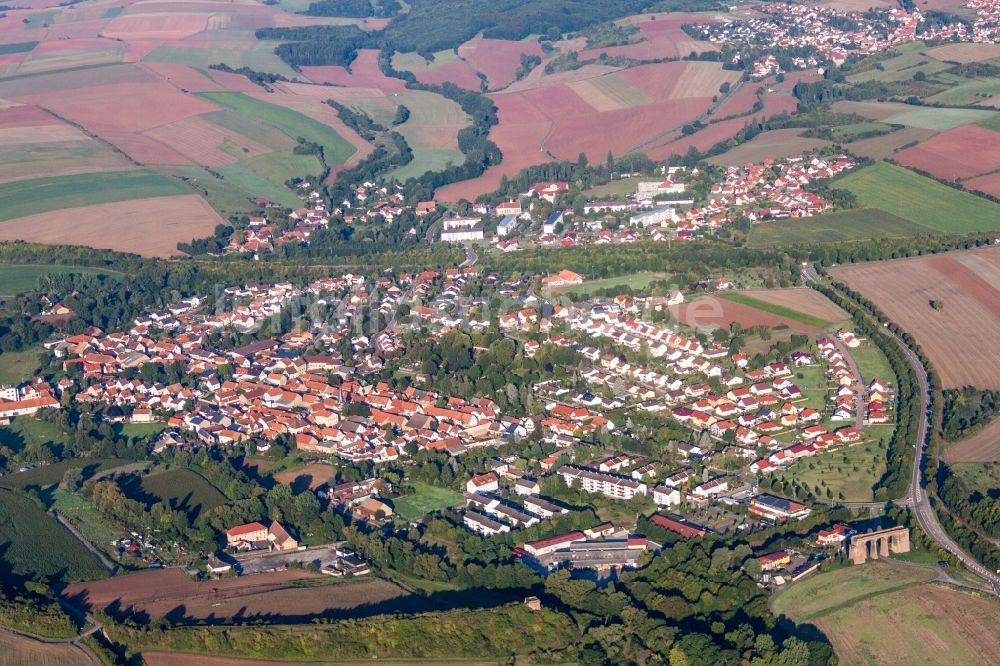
962,338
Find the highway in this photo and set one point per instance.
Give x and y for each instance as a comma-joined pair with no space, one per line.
917,497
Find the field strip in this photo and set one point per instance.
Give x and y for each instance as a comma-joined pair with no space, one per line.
978,288
986,270
779,310
858,599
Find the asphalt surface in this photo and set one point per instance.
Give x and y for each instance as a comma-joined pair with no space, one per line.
917,497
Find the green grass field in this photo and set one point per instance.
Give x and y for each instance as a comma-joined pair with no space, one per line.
615,189
141,429
921,200
431,131
17,47
48,475
938,119
969,91
635,281
184,489
779,310
33,545
873,364
865,464
40,195
82,513
221,193
335,149
855,131
18,278
425,499
253,53
828,592
16,367
414,62
907,61
29,431
846,225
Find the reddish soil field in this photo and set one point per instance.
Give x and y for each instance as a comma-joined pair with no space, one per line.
714,312
457,72
167,27
716,132
364,73
151,227
961,339
519,134
25,116
17,651
200,141
806,301
984,446
958,153
989,184
123,108
740,102
498,59
662,37
879,147
160,592
186,78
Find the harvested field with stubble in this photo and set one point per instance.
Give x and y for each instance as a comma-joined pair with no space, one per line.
983,446
879,147
887,614
770,145
18,651
280,594
961,339
964,53
150,227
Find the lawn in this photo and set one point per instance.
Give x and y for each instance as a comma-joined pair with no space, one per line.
636,282
141,429
18,278
921,200
983,477
814,384
865,464
846,225
425,499
184,489
33,545
19,366
873,364
335,149
615,189
30,431
27,197
779,310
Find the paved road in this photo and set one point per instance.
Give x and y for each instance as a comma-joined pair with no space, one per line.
471,257
917,496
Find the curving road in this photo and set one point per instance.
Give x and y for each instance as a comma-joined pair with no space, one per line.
917,497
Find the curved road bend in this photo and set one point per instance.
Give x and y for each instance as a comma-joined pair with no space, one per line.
917,497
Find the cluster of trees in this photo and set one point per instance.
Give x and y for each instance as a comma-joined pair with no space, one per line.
318,45
213,244
967,410
973,505
260,78
354,8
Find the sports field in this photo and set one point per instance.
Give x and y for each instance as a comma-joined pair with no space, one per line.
28,197
846,225
335,149
879,613
424,499
921,200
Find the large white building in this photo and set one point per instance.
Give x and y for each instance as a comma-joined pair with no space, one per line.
462,229
609,485
657,217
